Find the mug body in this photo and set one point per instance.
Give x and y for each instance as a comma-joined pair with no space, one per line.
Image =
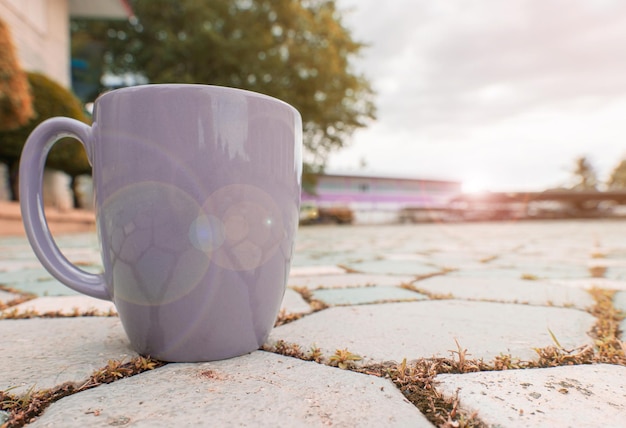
197,195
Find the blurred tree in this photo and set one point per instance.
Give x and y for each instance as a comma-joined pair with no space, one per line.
295,50
585,175
15,99
617,179
49,100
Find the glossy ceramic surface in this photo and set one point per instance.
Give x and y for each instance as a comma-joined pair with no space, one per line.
197,196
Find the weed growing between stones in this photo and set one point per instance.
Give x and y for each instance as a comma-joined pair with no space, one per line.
597,271
15,314
416,381
429,294
343,359
307,295
285,317
293,350
606,332
27,407
348,269
22,297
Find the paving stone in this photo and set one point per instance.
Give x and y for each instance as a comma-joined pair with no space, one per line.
5,296
608,262
525,272
394,267
616,272
588,283
619,302
485,271
569,396
406,257
424,329
363,295
13,264
509,290
44,287
13,278
65,305
259,389
455,259
49,351
313,259
316,270
293,303
348,280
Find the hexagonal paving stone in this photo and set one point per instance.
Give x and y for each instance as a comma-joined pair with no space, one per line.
64,305
581,396
316,270
5,296
349,280
424,329
511,290
362,295
394,267
45,352
259,389
294,303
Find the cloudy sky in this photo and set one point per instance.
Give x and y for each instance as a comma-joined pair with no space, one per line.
502,95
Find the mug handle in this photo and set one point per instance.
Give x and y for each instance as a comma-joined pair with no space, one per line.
32,163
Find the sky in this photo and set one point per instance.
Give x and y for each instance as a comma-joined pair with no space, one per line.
500,95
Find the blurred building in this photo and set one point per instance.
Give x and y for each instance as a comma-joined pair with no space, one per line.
378,199
41,30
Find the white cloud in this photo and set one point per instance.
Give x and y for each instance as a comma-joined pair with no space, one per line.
518,89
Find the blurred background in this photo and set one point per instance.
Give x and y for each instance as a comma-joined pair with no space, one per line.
413,110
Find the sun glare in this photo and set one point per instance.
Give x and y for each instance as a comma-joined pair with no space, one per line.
473,186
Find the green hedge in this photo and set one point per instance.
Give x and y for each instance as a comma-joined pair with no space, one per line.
49,100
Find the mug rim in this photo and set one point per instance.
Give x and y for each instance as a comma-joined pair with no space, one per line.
161,86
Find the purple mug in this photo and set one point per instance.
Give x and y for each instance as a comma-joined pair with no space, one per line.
197,197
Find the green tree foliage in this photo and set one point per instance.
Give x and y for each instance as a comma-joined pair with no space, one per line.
295,50
585,175
49,100
15,98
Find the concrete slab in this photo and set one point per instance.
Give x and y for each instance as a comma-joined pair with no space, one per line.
425,329
588,283
14,264
12,278
344,280
315,270
486,271
65,305
509,271
619,302
394,267
293,303
45,352
511,290
5,296
569,396
259,389
44,287
364,295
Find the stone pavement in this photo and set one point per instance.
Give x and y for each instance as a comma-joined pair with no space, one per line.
501,324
